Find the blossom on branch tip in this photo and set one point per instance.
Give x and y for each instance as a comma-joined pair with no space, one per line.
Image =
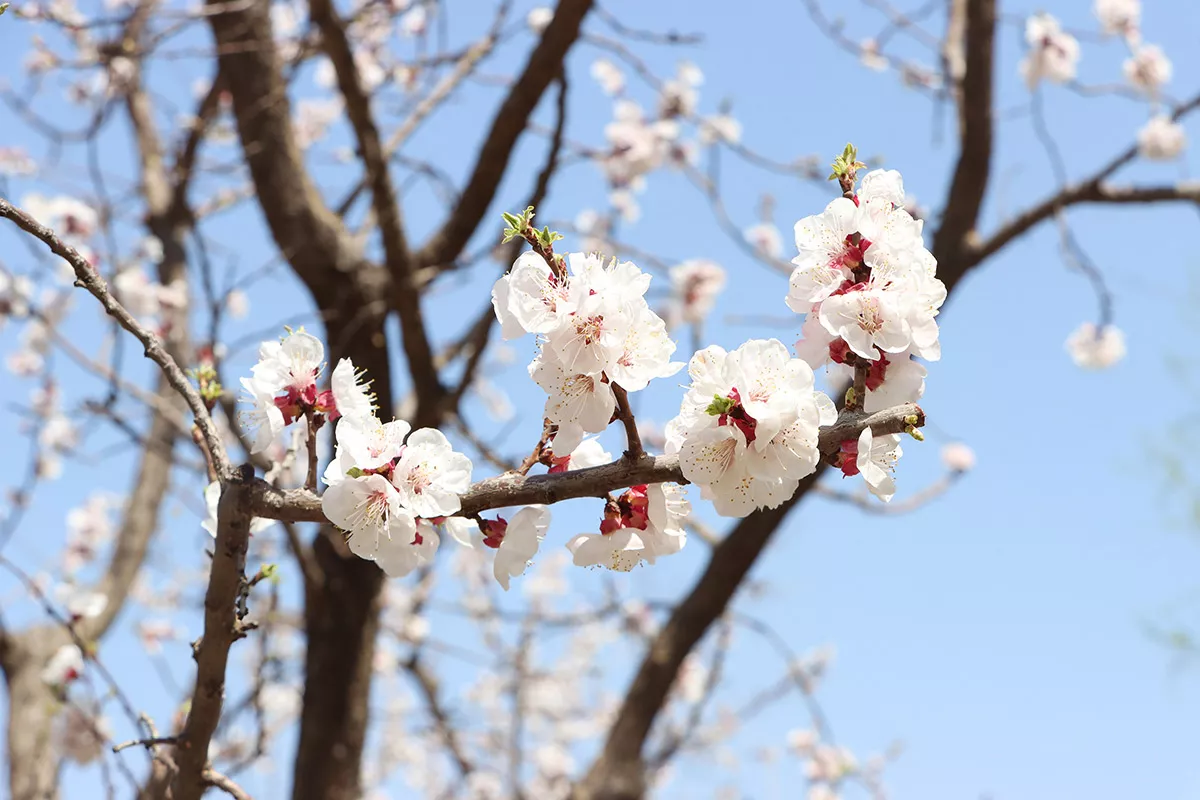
694,289
766,239
80,603
1148,68
292,365
1161,139
1119,16
538,19
1053,54
1092,348
958,457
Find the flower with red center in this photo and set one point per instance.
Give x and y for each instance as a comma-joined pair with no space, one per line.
829,252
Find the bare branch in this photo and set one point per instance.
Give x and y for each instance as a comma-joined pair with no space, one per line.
405,297
1094,189
510,120
226,784
87,278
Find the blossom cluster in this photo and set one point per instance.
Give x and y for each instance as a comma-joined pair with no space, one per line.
283,388
1053,55
747,429
639,143
595,329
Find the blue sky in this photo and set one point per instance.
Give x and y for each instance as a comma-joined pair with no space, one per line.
1000,632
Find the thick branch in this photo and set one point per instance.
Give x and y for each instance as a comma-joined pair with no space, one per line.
514,489
971,173
309,235
222,627
405,297
510,120
619,772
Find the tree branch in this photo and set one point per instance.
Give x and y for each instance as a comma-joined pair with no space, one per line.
515,489
973,169
222,627
405,295
510,120
1093,189
87,278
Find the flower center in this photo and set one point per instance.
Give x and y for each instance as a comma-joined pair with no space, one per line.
870,317
729,411
589,328
373,511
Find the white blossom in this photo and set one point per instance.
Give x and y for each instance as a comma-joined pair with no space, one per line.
1161,139
876,461
827,257
619,551
1119,16
1148,68
430,475
747,427
578,403
367,508
290,364
695,286
262,420
407,547
64,666
609,76
958,457
1053,54
766,239
1096,349
539,18
81,603
351,397
522,536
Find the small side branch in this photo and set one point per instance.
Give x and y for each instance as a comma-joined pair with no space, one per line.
633,439
87,278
